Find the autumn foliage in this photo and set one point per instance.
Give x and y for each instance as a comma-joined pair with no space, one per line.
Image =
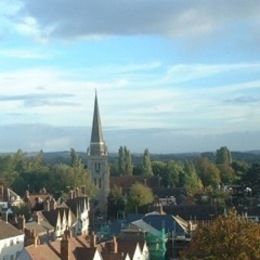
230,237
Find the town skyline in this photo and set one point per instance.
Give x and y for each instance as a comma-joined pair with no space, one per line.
181,78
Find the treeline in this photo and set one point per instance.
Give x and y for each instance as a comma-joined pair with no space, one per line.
22,173
194,174
125,165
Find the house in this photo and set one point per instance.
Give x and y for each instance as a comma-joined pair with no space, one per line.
60,249
11,241
8,198
80,207
39,226
121,249
36,201
79,248
195,213
61,218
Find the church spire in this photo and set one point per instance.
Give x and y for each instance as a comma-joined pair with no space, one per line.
96,135
97,143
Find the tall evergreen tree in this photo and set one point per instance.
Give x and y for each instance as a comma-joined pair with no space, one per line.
125,165
223,156
128,162
192,182
121,160
147,164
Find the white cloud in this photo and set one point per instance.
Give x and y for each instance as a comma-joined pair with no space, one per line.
56,97
187,72
24,54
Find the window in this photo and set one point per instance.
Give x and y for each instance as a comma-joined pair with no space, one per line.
97,167
100,183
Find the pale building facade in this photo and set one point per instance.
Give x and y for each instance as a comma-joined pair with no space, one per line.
11,241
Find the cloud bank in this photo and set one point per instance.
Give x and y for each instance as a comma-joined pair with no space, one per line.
94,18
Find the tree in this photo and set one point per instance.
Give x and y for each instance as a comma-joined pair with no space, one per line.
128,162
147,165
252,178
125,165
227,237
121,160
73,156
174,176
139,196
116,203
227,174
192,182
223,156
208,172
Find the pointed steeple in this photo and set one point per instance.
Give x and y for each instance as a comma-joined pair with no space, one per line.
97,143
96,134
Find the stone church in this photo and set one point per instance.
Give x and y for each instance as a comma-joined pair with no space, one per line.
97,160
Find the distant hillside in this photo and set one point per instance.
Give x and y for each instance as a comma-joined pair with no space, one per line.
64,156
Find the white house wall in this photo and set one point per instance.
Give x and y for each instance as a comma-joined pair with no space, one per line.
11,247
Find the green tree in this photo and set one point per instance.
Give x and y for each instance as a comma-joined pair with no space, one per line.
192,182
121,160
116,203
252,178
208,172
128,162
223,156
227,237
174,170
125,165
227,174
74,158
139,196
147,164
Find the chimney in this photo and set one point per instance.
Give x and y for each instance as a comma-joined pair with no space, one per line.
46,205
27,194
115,244
71,194
21,222
35,238
190,226
52,204
64,247
36,217
93,238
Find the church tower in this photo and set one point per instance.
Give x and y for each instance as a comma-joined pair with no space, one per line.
98,160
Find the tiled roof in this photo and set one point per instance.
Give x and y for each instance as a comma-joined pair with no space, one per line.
34,198
40,228
82,253
51,251
52,215
7,230
198,212
77,203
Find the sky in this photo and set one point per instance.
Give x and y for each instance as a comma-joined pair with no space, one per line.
172,75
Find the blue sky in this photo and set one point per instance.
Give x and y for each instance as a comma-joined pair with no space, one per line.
170,70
